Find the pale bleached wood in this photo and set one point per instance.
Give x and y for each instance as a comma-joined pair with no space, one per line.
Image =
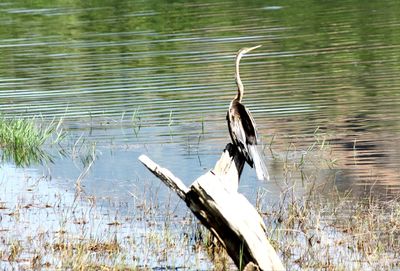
214,199
234,221
229,168
174,183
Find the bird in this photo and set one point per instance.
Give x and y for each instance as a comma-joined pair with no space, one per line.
242,127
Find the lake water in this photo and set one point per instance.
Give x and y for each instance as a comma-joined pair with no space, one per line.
157,78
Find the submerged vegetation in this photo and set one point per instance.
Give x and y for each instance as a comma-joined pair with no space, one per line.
336,233
167,63
308,230
22,140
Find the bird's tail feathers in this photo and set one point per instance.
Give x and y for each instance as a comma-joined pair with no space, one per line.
259,162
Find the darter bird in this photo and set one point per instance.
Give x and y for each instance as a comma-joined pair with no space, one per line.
242,127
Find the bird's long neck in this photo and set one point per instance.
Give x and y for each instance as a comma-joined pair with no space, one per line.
239,83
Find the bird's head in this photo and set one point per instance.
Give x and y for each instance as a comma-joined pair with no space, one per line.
245,50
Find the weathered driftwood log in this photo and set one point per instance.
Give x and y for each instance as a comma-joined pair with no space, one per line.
214,199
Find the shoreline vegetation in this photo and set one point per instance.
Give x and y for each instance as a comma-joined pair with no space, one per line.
22,139
46,228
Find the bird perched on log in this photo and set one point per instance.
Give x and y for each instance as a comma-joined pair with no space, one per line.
242,127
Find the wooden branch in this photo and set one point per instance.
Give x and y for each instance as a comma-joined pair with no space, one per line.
234,221
174,183
214,199
229,167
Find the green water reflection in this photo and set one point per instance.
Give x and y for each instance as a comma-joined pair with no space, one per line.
156,77
324,64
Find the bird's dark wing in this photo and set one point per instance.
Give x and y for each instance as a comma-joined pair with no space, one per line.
253,151
248,124
241,129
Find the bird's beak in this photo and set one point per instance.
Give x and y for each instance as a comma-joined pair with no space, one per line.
244,51
252,48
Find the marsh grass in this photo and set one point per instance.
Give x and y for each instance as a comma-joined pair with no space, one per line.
308,229
339,233
136,121
74,231
22,140
323,228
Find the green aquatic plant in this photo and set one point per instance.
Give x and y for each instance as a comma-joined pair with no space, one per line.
87,160
22,140
171,121
136,121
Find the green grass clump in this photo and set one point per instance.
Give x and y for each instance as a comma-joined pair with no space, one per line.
21,140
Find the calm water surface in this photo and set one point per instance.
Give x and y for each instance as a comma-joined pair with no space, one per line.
156,78
133,77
